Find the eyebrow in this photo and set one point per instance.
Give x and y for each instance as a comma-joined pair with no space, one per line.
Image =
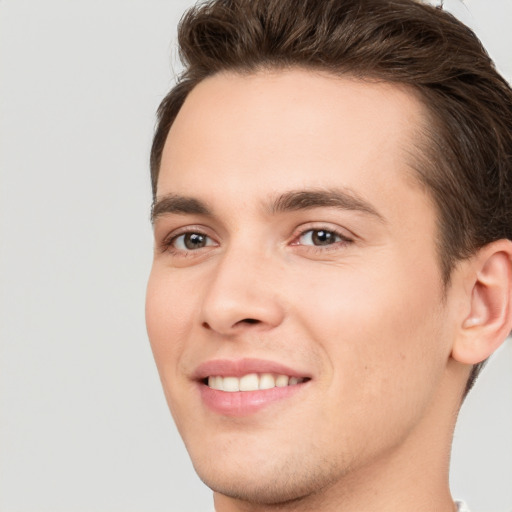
174,203
293,200
343,199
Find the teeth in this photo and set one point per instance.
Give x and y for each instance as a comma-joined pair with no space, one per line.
219,383
231,384
252,382
267,381
249,382
215,383
282,381
212,383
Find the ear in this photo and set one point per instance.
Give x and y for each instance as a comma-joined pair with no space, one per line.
489,320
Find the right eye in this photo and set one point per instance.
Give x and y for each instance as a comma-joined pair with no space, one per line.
190,241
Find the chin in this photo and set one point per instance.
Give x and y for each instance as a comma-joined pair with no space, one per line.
269,491
269,482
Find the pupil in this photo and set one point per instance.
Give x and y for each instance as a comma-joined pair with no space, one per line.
322,237
194,241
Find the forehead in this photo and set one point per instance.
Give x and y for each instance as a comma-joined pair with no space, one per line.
273,130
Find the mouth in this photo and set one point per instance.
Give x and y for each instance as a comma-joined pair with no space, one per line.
244,387
252,382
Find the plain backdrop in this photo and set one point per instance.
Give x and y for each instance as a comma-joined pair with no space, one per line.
83,422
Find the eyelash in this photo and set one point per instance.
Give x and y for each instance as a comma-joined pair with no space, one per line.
343,239
168,244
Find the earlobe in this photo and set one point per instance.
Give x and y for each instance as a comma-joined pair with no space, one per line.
489,320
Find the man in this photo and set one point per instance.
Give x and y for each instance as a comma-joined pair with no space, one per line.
332,216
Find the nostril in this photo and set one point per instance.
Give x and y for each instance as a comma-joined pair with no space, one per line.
249,321
219,327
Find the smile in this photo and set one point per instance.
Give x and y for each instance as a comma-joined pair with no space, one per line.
252,382
244,387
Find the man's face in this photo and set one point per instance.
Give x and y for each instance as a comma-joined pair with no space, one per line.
293,241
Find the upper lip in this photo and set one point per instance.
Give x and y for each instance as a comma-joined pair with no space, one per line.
241,367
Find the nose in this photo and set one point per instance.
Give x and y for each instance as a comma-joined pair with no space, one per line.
243,294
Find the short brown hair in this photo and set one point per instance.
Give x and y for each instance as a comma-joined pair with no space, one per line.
466,158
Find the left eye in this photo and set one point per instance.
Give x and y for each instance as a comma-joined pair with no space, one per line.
191,241
319,237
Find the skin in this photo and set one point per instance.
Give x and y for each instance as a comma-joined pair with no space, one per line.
366,317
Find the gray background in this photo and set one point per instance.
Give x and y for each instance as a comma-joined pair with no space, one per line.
83,422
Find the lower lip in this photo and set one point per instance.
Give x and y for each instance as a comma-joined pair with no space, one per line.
243,403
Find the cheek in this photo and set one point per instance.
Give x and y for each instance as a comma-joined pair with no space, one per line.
383,369
378,329
168,318
169,314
